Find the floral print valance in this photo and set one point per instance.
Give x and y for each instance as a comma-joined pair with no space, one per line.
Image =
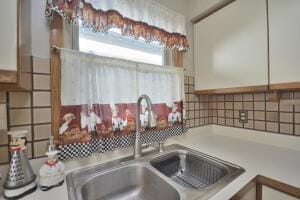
103,20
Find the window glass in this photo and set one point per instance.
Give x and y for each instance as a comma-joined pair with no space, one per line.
113,44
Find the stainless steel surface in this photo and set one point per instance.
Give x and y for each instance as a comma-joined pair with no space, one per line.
189,170
152,177
129,182
159,146
151,120
20,172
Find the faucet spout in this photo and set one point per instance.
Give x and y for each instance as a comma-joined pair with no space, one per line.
151,123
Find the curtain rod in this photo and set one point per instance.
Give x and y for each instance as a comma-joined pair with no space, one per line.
55,48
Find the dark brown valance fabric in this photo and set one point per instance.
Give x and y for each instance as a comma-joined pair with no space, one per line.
102,21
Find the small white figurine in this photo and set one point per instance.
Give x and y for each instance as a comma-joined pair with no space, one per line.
52,172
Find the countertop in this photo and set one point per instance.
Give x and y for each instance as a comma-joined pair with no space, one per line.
259,153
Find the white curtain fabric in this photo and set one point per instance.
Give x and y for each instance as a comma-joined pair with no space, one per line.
153,13
90,79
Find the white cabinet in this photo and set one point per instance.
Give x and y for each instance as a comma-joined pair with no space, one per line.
15,45
231,47
9,36
284,36
271,194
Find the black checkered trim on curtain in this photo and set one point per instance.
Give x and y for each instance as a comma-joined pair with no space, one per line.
109,144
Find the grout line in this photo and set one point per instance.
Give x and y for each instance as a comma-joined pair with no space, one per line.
294,116
32,113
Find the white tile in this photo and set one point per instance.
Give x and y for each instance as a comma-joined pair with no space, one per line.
2,97
3,154
41,82
41,115
20,117
3,137
41,65
19,99
29,150
3,117
42,131
40,148
41,99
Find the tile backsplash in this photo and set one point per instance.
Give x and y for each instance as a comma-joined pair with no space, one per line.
197,107
30,111
263,113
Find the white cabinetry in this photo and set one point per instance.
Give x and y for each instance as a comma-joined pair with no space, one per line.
9,35
284,41
231,47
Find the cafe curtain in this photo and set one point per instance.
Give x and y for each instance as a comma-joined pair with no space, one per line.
98,103
140,19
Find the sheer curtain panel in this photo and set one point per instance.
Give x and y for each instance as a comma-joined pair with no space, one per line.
98,103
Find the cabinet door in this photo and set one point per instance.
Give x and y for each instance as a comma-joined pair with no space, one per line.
284,25
271,194
231,47
9,41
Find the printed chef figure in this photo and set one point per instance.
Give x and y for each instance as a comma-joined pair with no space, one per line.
144,114
175,115
116,121
69,120
52,172
89,120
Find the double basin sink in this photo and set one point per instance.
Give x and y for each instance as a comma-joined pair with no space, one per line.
179,173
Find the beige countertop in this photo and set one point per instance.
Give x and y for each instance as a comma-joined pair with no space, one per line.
259,153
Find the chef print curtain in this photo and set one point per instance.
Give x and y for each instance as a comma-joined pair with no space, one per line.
98,103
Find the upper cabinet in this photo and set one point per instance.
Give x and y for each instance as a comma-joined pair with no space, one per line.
9,41
284,44
231,49
15,48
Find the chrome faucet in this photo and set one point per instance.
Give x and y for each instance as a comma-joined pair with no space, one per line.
151,122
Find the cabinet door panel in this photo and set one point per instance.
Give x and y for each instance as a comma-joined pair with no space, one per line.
271,194
9,35
284,41
231,47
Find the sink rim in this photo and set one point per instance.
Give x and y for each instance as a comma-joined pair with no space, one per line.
77,176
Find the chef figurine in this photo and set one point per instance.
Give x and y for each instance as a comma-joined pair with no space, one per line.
20,179
52,172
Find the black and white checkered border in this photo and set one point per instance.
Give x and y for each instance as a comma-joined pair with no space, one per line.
78,150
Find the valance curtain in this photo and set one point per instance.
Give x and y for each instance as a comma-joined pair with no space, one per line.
98,103
144,19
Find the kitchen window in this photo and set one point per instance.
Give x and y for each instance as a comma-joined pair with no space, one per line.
114,44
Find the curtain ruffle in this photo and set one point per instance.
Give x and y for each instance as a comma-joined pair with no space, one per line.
102,21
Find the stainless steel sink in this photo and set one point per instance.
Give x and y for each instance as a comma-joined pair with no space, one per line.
128,182
179,173
189,170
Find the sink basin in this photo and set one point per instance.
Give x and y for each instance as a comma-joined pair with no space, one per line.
133,182
189,170
178,173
